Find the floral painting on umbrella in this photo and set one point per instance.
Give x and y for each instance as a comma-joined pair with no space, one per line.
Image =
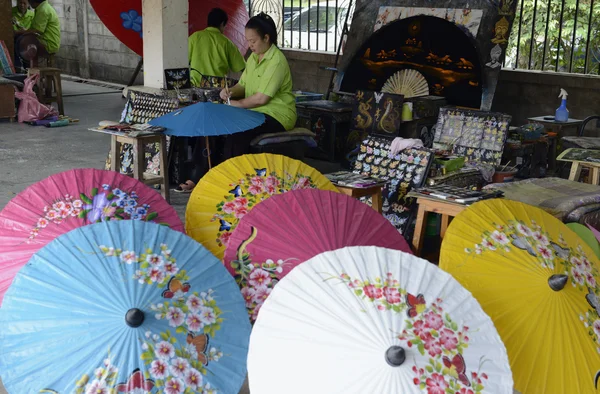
251,190
429,329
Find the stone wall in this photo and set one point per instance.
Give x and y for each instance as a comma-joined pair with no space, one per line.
88,48
526,94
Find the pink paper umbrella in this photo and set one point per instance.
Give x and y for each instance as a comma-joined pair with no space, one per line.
68,200
288,229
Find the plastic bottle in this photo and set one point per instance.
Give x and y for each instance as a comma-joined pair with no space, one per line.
562,113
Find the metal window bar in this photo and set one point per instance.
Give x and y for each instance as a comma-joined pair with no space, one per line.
319,18
282,33
587,42
292,23
574,35
531,45
546,34
560,23
299,27
519,34
327,24
309,26
337,12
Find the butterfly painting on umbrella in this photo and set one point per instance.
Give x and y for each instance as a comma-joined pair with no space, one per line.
250,191
192,315
429,329
501,249
531,238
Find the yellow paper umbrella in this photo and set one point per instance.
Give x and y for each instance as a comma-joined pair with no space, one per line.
538,281
228,191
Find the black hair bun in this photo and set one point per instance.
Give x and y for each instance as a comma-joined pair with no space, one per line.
265,16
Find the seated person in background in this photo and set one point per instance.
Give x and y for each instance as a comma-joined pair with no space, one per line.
211,53
42,38
22,15
265,86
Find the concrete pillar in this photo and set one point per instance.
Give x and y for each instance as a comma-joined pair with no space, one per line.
165,27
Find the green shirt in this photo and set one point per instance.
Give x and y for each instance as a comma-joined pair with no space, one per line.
271,76
46,22
22,22
213,54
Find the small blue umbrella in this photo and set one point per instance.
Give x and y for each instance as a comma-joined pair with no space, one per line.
123,307
208,119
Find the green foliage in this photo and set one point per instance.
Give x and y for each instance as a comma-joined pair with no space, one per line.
558,41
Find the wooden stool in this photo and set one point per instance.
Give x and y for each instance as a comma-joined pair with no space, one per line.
7,102
446,209
48,83
578,159
139,159
374,192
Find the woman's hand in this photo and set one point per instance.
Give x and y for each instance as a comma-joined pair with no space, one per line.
225,94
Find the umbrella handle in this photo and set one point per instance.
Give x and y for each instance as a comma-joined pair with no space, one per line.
208,151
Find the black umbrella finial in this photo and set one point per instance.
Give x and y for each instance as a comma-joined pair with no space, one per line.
134,317
395,356
557,282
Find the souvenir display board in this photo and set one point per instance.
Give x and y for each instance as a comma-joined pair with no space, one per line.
437,49
479,136
177,78
377,113
404,171
142,108
585,155
476,47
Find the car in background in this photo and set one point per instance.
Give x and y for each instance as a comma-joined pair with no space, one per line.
318,27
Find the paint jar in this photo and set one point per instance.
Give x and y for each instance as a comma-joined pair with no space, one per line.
407,112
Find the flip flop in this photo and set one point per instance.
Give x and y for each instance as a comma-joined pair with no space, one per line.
186,187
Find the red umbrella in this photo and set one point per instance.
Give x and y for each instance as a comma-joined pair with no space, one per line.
124,19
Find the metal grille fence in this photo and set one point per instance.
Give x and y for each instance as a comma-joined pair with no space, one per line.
556,35
313,25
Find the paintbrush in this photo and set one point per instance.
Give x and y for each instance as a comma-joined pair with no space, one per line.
227,90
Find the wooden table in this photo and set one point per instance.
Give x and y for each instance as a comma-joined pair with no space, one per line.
568,128
446,209
580,159
375,192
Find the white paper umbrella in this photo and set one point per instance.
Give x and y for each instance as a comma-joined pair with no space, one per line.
373,320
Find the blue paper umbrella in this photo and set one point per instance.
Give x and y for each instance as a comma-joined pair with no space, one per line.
208,119
123,307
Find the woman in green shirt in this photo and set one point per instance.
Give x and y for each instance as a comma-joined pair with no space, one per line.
265,86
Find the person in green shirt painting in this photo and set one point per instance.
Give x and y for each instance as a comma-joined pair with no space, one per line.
211,53
265,86
22,15
42,38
